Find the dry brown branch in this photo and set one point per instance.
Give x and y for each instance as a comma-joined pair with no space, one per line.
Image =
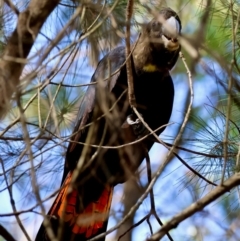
18,47
129,62
152,200
5,234
197,206
34,183
12,6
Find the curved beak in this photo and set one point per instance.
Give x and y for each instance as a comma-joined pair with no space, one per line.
170,33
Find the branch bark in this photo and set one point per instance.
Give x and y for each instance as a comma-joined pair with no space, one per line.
197,206
5,234
18,47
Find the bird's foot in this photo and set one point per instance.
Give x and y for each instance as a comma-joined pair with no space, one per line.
136,124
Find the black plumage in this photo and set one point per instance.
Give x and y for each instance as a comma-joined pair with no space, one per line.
105,108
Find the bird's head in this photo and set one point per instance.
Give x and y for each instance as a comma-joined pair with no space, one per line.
164,30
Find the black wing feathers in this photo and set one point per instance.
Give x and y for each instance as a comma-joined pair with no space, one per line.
108,71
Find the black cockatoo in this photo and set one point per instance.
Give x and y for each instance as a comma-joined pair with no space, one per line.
96,160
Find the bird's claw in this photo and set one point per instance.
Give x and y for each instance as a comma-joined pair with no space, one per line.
136,124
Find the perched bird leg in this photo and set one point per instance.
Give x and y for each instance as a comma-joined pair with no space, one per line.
138,127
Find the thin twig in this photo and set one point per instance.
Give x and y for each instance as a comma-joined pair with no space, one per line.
12,201
5,234
34,183
134,226
152,201
12,6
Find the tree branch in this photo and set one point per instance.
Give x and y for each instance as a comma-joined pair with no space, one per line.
5,234
197,206
18,47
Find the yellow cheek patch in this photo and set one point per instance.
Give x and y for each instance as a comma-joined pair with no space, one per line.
150,68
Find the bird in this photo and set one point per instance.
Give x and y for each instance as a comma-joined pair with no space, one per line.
103,150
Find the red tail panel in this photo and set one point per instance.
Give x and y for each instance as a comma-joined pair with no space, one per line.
91,219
